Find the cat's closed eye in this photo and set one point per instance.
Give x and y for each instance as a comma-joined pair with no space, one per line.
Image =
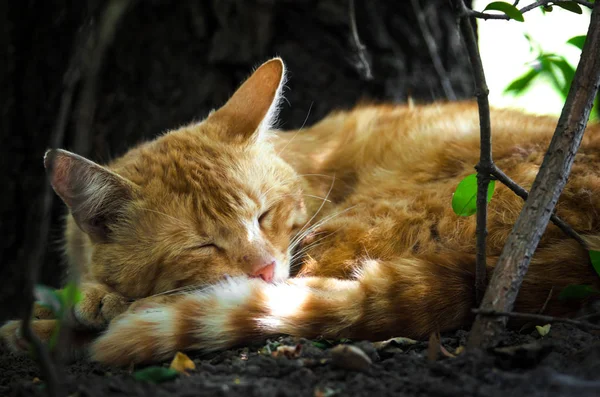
263,218
207,245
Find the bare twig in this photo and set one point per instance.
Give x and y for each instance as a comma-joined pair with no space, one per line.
486,163
361,50
48,368
537,317
549,183
519,191
433,51
543,309
112,14
483,15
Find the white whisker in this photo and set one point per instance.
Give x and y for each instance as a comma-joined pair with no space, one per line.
297,132
178,221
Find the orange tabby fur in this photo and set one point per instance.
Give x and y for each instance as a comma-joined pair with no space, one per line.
363,197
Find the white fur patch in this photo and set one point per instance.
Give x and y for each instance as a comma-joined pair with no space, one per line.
230,294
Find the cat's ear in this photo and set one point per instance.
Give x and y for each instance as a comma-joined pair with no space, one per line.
95,195
253,108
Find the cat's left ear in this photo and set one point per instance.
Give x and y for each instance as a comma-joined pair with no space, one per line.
253,108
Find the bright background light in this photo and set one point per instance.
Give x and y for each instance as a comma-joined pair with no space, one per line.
506,53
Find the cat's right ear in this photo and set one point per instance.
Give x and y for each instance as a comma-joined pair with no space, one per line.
95,195
253,108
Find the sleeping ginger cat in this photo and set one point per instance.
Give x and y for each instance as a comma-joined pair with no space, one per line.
357,208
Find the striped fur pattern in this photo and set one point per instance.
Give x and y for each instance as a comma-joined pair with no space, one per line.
355,208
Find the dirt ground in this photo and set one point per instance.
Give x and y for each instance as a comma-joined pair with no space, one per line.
566,362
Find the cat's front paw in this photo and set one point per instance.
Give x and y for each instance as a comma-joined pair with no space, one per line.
98,306
11,337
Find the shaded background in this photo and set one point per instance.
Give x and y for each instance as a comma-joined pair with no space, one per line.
168,63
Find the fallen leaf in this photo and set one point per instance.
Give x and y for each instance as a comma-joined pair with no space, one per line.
446,352
434,347
459,350
394,345
155,374
288,351
544,330
182,363
36,380
350,357
521,356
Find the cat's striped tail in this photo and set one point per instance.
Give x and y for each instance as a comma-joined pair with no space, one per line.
383,300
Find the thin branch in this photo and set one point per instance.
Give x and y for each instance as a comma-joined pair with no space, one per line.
537,317
543,309
361,49
433,51
486,163
47,366
532,222
519,191
467,12
94,58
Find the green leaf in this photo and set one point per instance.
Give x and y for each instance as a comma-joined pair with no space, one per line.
519,85
569,6
54,337
70,294
543,330
549,62
577,292
577,41
321,345
49,298
464,200
595,258
155,374
507,8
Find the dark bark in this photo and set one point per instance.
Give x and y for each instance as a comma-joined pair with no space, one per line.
549,183
172,62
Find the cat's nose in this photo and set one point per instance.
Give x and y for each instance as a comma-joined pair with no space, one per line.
265,272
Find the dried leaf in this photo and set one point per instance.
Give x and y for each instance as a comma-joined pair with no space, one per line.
434,348
459,350
446,352
521,356
350,357
544,330
182,363
394,345
288,351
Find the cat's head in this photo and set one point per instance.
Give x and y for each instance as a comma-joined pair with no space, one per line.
199,203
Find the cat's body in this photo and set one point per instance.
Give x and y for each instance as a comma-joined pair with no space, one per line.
359,204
